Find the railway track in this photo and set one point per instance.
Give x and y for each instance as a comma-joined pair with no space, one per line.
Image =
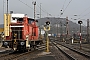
71,54
6,53
84,48
16,55
76,49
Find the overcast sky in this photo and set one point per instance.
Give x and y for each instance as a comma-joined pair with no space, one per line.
81,8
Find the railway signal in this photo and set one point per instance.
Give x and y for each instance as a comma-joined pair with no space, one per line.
88,30
47,28
80,22
67,27
47,23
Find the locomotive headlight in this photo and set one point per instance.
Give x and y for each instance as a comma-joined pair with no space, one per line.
2,36
22,43
26,37
5,43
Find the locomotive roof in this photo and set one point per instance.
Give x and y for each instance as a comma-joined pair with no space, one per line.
31,19
28,19
20,16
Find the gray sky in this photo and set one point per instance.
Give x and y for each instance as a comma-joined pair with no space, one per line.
53,7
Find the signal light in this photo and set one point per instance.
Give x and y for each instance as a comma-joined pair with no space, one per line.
47,23
79,22
47,26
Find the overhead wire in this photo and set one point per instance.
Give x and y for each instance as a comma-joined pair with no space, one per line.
84,15
62,7
50,14
44,11
26,5
33,9
41,9
66,7
63,4
84,11
47,12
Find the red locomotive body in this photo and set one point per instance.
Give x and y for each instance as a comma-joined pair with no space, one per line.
23,29
23,34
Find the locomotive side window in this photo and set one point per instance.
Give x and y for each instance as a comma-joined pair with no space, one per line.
30,21
20,19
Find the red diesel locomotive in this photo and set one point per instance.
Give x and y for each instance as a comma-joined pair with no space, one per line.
23,33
